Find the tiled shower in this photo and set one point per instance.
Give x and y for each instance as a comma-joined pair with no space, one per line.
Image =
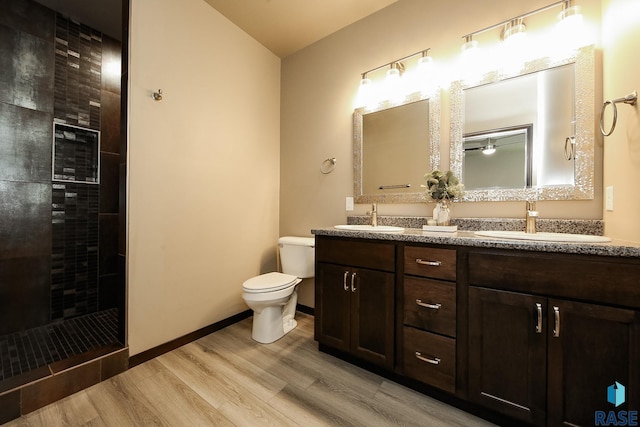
62,166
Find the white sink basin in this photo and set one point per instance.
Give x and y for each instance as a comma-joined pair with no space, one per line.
544,237
378,229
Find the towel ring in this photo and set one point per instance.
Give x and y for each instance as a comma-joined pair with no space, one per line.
328,165
629,99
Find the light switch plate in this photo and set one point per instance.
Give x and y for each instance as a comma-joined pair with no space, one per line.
349,204
609,198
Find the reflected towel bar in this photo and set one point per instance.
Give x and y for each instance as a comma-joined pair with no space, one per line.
389,187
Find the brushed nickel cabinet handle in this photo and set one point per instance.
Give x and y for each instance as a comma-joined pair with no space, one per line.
426,305
556,315
431,263
344,281
434,361
539,325
353,279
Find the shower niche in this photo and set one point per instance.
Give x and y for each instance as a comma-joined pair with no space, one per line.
76,154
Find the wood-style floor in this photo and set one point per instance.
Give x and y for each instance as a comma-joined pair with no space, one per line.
227,379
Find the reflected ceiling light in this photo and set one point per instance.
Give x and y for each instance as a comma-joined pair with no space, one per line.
489,149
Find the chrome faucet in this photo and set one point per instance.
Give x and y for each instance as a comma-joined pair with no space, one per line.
374,215
530,217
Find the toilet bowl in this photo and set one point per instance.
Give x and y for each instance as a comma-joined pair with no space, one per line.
273,296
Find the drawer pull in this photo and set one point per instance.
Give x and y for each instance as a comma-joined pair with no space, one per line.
344,281
431,263
434,361
353,281
426,305
539,324
556,315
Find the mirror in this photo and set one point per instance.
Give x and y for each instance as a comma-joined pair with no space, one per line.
504,152
394,146
550,107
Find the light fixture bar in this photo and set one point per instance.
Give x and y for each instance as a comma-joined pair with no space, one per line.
506,21
424,52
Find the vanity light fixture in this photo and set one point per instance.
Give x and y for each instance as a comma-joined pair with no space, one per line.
394,89
514,28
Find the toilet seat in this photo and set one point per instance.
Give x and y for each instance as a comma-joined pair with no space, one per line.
269,282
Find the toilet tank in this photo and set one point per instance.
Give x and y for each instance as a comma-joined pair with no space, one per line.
297,255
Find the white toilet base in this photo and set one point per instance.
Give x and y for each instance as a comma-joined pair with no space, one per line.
270,323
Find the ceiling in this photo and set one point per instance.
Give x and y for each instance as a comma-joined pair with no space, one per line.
286,26
102,15
282,26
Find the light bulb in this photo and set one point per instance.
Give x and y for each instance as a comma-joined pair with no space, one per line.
470,62
570,33
365,97
394,90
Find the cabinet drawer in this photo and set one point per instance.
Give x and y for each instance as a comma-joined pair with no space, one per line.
430,305
373,255
598,279
430,358
430,262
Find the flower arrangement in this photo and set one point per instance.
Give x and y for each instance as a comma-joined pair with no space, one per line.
443,186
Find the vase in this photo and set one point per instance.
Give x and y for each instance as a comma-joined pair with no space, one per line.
442,213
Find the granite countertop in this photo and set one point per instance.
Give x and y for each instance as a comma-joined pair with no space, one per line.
468,238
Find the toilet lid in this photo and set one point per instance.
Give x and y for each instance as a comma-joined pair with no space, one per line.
269,282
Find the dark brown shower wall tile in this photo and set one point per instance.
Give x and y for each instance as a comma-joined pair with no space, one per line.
27,70
63,384
26,137
9,406
114,364
108,244
28,16
110,122
24,293
25,219
22,379
108,291
109,185
111,65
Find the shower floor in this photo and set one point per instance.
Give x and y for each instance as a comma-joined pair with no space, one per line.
25,351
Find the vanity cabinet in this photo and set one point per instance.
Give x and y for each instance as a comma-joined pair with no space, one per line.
548,334
429,316
354,305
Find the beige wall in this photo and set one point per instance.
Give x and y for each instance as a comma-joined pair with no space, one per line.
203,168
621,42
319,85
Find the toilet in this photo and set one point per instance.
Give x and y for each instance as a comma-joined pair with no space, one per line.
273,296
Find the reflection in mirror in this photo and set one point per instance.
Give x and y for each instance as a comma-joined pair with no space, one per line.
558,100
504,152
394,146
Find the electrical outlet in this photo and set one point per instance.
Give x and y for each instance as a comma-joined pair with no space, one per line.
609,198
349,204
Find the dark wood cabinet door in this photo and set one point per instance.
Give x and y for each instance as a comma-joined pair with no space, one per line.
372,317
591,347
332,306
507,353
